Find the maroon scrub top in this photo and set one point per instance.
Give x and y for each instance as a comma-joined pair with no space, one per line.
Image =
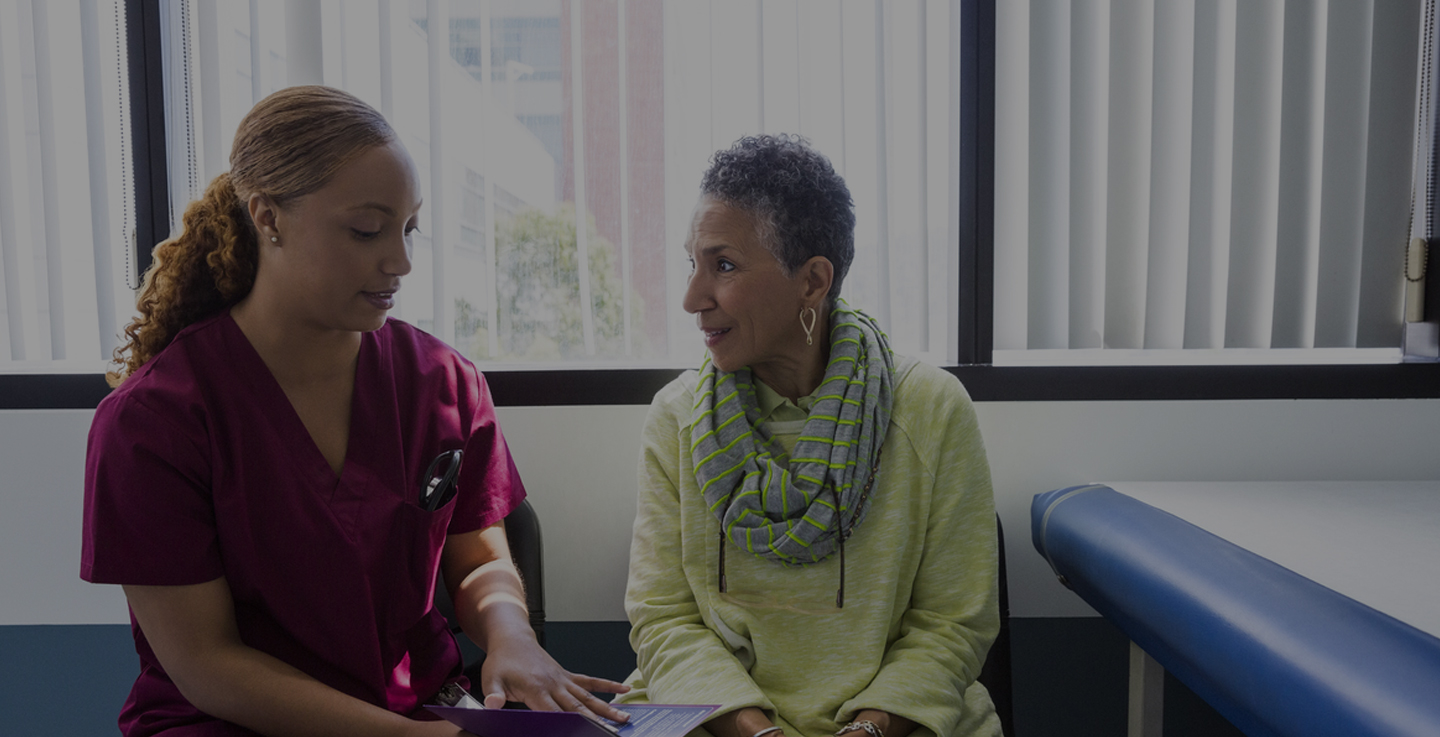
198,467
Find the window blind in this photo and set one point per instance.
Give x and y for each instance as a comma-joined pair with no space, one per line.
66,206
1202,181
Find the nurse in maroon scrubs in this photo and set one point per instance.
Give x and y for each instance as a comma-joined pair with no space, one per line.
257,480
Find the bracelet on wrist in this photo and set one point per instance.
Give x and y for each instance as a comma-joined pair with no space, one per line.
767,730
863,725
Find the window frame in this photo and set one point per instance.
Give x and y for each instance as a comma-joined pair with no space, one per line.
147,123
637,386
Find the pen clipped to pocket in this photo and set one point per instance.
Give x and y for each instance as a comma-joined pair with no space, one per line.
438,485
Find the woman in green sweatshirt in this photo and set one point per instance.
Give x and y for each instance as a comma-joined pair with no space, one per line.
815,541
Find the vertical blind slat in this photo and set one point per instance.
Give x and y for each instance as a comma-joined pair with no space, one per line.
16,239
215,53
861,158
345,36
1342,214
921,302
257,54
437,45
304,42
734,67
333,70
185,140
760,65
688,105
386,22
488,158
820,108
1089,161
1297,243
1049,261
73,223
882,174
65,157
577,146
950,134
1392,111
941,268
360,22
782,76
236,86
1170,179
1131,95
45,104
856,156
1258,50
1012,168
623,103
1207,282
905,145
96,51
106,89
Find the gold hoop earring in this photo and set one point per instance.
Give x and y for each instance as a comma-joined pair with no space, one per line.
809,329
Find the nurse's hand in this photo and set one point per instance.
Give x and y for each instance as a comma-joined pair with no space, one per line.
490,604
521,670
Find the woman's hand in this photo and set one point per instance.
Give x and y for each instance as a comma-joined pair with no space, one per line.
889,724
520,670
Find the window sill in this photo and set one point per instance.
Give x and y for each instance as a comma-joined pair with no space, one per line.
1182,357
555,387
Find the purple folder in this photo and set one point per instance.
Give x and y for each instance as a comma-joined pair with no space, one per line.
646,720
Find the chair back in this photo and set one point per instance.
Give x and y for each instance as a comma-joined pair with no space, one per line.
522,529
995,674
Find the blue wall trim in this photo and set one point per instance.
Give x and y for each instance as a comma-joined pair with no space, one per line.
64,679
1069,677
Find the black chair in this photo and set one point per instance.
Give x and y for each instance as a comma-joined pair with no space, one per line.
522,529
995,674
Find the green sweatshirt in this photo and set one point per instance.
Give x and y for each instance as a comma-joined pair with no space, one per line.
920,600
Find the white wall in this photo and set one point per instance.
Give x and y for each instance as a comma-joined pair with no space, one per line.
586,502
42,469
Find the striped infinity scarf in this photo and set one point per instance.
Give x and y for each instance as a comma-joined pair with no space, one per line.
786,512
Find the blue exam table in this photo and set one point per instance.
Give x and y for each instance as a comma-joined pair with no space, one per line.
1299,610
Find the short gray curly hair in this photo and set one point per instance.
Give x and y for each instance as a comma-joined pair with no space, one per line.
803,207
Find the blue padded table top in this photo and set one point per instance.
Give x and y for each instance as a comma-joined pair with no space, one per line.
1274,651
1377,542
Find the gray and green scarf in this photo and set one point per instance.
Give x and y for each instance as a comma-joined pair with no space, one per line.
787,512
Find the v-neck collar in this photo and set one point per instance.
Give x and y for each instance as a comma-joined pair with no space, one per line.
286,421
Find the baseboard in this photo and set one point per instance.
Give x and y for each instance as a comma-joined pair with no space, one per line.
1069,677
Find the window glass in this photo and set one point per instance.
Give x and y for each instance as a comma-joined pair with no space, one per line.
529,117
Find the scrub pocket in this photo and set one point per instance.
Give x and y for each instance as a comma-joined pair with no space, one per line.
419,537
